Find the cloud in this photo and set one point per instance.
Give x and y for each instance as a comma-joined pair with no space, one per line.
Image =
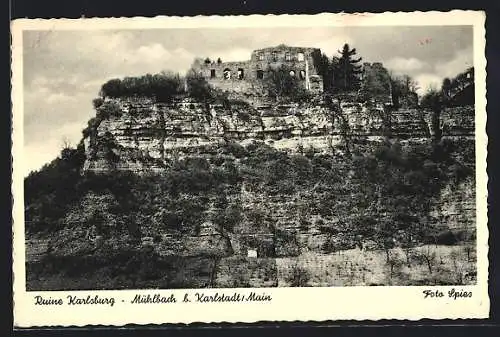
57,98
152,52
462,60
405,65
233,54
450,68
332,45
37,154
428,81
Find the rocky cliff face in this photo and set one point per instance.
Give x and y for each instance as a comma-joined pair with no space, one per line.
138,134
210,167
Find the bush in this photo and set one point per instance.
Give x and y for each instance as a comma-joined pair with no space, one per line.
97,102
299,277
280,84
164,87
198,88
107,110
235,149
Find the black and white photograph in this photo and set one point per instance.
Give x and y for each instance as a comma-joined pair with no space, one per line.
250,157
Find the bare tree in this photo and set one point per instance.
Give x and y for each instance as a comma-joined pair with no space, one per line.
65,143
458,266
393,262
299,276
408,249
339,117
468,250
429,256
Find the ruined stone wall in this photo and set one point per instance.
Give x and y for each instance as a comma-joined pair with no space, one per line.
248,76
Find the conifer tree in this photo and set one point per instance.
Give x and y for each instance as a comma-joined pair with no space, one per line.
347,69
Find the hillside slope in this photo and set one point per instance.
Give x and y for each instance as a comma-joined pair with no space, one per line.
177,195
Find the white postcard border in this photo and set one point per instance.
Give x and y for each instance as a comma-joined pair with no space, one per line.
287,304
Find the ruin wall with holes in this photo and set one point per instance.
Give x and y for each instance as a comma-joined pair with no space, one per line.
248,77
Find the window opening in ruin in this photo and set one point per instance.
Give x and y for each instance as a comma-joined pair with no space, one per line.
275,56
302,74
212,73
241,73
252,253
300,56
261,57
227,74
292,73
288,57
260,74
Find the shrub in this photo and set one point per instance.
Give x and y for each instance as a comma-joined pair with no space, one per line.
198,88
164,86
299,277
235,149
97,102
108,110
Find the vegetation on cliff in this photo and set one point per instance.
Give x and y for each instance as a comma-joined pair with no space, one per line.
99,221
164,86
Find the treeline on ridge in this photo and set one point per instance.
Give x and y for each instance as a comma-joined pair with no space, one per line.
163,86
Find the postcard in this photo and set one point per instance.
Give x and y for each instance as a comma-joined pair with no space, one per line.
249,168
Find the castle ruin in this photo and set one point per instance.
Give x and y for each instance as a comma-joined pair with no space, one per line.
248,76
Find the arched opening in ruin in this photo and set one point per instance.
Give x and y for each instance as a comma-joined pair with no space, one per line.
302,74
260,74
292,73
212,73
241,73
288,57
227,74
300,57
260,57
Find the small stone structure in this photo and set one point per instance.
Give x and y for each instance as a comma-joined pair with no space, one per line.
248,76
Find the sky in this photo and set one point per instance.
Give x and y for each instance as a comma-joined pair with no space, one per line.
64,70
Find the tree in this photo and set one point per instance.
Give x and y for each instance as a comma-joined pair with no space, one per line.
394,263
299,276
409,85
446,87
325,68
198,87
282,82
163,86
429,256
404,90
377,85
433,100
347,69
112,88
219,61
